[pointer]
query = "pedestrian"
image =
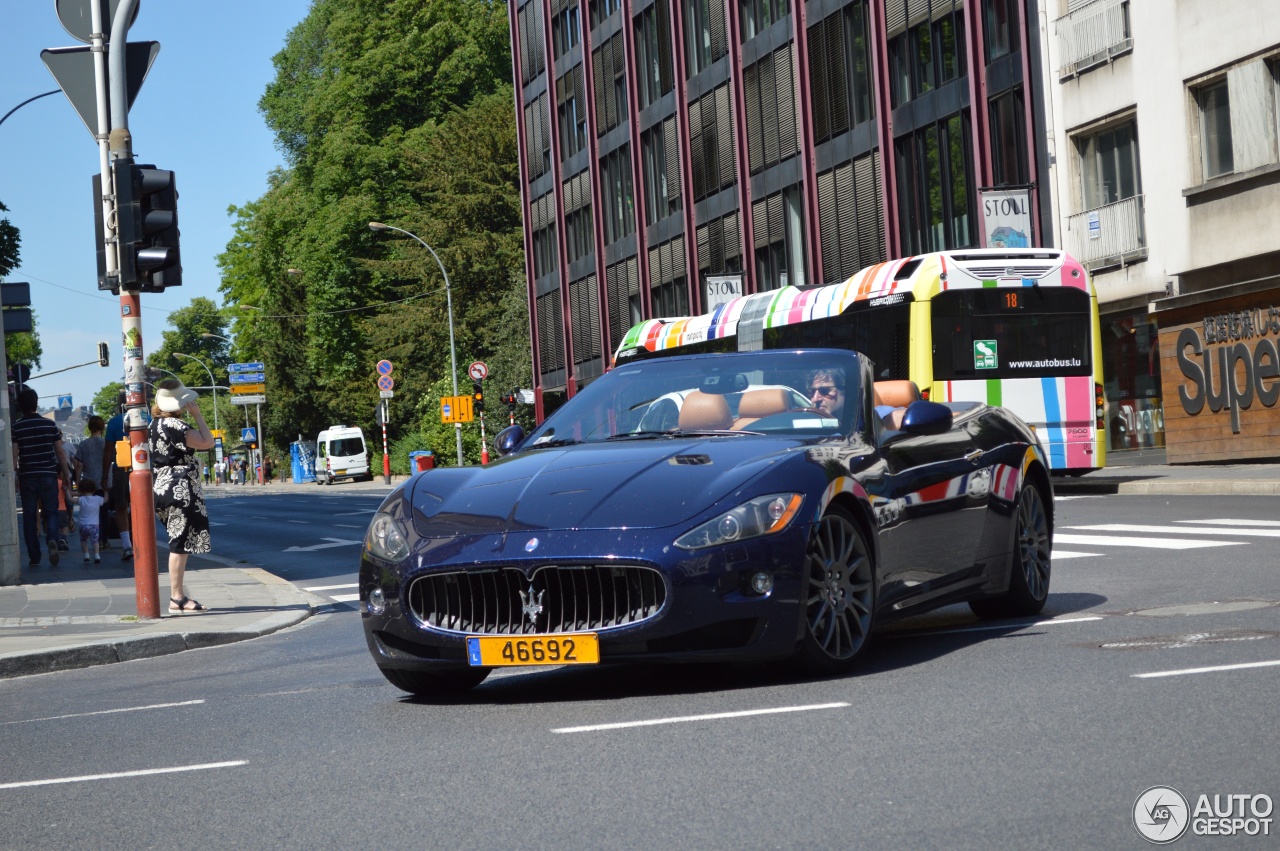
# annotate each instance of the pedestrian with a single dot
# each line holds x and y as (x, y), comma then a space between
(178, 493)
(244, 470)
(91, 500)
(88, 456)
(267, 469)
(115, 480)
(204, 471)
(42, 463)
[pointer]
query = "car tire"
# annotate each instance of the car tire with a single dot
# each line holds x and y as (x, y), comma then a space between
(840, 595)
(436, 683)
(1029, 564)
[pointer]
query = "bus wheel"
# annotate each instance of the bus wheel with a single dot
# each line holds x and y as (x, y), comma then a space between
(1029, 563)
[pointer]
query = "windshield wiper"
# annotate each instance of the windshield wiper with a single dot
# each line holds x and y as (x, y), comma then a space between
(560, 441)
(645, 435)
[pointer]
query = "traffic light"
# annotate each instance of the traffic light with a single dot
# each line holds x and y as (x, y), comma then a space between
(147, 228)
(477, 397)
(104, 355)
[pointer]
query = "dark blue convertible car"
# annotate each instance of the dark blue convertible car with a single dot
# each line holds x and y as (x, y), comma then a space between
(745, 506)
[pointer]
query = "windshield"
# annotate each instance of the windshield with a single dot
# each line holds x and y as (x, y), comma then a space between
(808, 393)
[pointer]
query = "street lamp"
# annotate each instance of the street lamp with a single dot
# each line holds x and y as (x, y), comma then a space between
(212, 383)
(453, 357)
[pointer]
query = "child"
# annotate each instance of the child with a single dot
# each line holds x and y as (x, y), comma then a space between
(91, 500)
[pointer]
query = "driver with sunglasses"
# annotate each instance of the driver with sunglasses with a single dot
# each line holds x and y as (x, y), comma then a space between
(826, 391)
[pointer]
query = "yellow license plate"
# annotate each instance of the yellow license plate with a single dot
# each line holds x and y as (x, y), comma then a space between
(339, 472)
(493, 651)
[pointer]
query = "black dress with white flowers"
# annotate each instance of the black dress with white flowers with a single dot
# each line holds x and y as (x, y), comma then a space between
(179, 497)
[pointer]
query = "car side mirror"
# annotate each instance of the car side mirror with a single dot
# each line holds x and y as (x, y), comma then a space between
(924, 417)
(506, 441)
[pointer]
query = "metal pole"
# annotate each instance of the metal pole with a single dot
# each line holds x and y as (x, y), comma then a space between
(386, 459)
(261, 472)
(448, 294)
(119, 146)
(10, 561)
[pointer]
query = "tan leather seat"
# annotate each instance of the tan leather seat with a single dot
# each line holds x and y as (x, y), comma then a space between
(705, 411)
(899, 394)
(760, 403)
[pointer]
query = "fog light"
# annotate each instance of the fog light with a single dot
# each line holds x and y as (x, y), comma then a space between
(377, 602)
(762, 583)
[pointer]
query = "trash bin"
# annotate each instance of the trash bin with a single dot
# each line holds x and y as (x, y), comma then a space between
(421, 460)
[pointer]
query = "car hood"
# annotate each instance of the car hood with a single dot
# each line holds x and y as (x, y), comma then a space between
(624, 485)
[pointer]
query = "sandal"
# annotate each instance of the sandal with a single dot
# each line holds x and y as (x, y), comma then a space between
(181, 605)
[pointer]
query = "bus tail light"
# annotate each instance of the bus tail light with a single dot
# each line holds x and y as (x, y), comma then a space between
(924, 394)
(1100, 411)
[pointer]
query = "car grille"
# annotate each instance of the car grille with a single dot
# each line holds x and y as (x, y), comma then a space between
(505, 601)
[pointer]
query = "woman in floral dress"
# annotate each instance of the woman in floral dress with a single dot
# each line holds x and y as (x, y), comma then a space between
(176, 484)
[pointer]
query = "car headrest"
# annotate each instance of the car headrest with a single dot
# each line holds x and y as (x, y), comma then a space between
(705, 411)
(763, 403)
(898, 394)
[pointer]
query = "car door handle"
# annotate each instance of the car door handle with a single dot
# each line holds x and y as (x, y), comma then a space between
(972, 457)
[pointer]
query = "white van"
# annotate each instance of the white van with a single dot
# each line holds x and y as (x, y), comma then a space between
(341, 454)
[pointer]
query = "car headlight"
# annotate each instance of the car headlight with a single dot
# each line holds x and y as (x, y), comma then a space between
(763, 515)
(385, 539)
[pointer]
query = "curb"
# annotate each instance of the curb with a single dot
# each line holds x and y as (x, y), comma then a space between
(1160, 487)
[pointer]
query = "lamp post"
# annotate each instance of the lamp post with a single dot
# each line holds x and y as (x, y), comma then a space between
(448, 293)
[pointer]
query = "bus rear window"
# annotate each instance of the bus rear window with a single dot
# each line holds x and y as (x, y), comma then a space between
(880, 333)
(1011, 332)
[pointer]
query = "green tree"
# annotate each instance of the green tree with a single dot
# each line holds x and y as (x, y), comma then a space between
(205, 354)
(10, 243)
(105, 401)
(20, 347)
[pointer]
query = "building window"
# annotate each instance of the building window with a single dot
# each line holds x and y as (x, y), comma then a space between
(849, 220)
(1009, 139)
(609, 67)
(711, 132)
(565, 29)
(661, 167)
(1000, 18)
(1215, 130)
(577, 216)
(769, 90)
(668, 288)
(934, 192)
(544, 251)
(653, 53)
(704, 34)
(622, 284)
(1109, 165)
(529, 24)
(927, 55)
(778, 224)
(720, 246)
(619, 197)
(601, 10)
(759, 15)
(572, 110)
(537, 130)
(840, 72)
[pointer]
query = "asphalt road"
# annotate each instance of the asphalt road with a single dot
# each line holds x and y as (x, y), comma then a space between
(954, 734)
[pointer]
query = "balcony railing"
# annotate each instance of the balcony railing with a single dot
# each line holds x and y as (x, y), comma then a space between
(1092, 35)
(1113, 235)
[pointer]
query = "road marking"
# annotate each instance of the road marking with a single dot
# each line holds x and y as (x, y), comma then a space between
(107, 712)
(1240, 667)
(717, 716)
(1153, 543)
(331, 587)
(361, 511)
(303, 522)
(1061, 554)
(344, 598)
(333, 542)
(347, 526)
(216, 523)
(119, 774)
(992, 626)
(1179, 530)
(1268, 523)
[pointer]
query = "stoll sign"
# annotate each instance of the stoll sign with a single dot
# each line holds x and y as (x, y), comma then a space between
(1231, 361)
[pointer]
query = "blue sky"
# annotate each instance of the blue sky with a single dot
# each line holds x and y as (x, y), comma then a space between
(197, 114)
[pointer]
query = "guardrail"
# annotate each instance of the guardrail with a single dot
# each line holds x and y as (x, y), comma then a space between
(1092, 35)
(1111, 235)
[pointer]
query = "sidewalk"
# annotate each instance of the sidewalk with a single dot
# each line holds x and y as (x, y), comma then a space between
(1180, 480)
(78, 615)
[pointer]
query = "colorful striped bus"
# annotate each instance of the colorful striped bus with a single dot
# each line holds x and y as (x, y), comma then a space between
(1009, 327)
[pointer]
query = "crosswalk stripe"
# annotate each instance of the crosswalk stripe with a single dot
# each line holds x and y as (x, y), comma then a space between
(1058, 555)
(344, 598)
(331, 587)
(1179, 530)
(1152, 543)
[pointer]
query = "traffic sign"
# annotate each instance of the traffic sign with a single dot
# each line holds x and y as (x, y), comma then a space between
(456, 409)
(246, 399)
(478, 371)
(255, 366)
(386, 382)
(64, 403)
(248, 435)
(386, 394)
(72, 68)
(242, 389)
(384, 367)
(246, 377)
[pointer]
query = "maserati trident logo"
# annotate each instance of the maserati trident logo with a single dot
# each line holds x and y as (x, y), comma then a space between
(531, 603)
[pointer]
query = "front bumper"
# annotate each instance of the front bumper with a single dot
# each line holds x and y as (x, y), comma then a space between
(709, 613)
